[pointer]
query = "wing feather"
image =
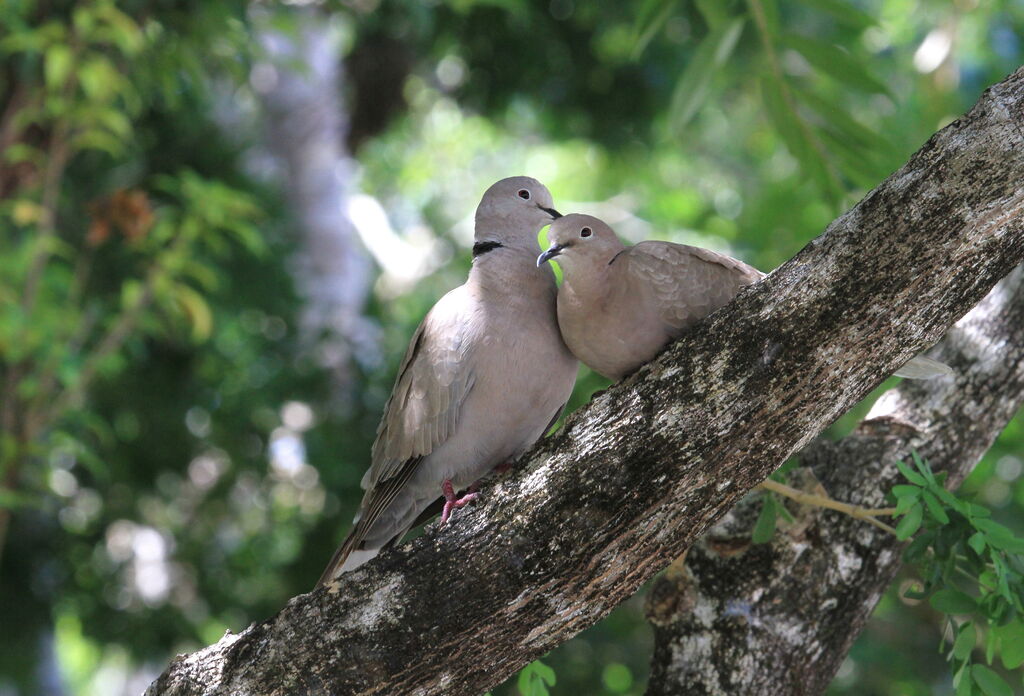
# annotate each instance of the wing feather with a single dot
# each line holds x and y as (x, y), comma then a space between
(423, 410)
(687, 283)
(433, 381)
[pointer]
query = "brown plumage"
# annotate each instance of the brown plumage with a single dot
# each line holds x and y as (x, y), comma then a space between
(619, 306)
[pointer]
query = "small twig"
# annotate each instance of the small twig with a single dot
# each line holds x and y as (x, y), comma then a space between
(972, 578)
(37, 412)
(58, 153)
(55, 162)
(115, 336)
(80, 278)
(9, 129)
(8, 483)
(866, 514)
(110, 343)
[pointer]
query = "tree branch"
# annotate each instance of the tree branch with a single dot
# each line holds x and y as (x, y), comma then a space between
(641, 472)
(727, 625)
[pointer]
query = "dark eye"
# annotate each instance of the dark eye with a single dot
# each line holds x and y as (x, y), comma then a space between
(524, 194)
(586, 232)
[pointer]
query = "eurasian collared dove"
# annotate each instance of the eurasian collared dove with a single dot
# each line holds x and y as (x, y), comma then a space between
(485, 376)
(619, 306)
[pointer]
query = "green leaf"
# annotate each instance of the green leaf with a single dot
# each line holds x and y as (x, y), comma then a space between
(1011, 644)
(99, 140)
(974, 510)
(714, 12)
(100, 79)
(950, 601)
(963, 684)
(784, 513)
(791, 129)
(935, 508)
(194, 306)
(58, 65)
(124, 32)
(764, 528)
(918, 547)
(922, 467)
(535, 679)
(965, 640)
(910, 474)
(977, 542)
(904, 491)
(546, 673)
(844, 12)
(83, 19)
(771, 17)
(835, 62)
(950, 500)
(21, 152)
(650, 18)
(990, 682)
(910, 523)
(999, 536)
(990, 645)
(695, 83)
(13, 500)
(131, 293)
(904, 504)
(782, 118)
(838, 117)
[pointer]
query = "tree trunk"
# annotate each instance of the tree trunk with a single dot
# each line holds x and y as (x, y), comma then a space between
(300, 85)
(779, 618)
(641, 472)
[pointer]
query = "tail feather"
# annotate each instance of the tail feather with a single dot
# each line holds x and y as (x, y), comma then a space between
(923, 368)
(337, 561)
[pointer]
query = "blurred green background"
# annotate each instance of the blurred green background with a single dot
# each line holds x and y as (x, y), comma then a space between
(220, 222)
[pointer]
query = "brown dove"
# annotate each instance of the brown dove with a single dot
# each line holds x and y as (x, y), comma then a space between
(619, 306)
(485, 376)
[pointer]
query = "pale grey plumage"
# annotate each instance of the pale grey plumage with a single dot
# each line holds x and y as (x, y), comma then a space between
(485, 375)
(619, 306)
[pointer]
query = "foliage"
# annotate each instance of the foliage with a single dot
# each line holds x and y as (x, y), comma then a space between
(535, 678)
(111, 256)
(834, 149)
(68, 316)
(973, 571)
(172, 442)
(972, 566)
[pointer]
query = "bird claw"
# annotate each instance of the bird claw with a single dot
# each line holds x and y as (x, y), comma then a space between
(451, 502)
(504, 466)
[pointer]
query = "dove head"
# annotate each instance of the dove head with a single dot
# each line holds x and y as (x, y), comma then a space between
(581, 240)
(513, 211)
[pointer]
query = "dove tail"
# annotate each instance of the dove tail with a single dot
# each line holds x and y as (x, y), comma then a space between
(340, 556)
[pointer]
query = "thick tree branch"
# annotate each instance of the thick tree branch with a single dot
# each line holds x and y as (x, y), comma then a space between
(726, 623)
(640, 473)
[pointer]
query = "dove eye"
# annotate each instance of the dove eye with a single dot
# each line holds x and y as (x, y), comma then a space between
(524, 194)
(586, 232)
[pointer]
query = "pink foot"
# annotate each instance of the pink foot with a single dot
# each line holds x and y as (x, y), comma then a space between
(504, 466)
(451, 502)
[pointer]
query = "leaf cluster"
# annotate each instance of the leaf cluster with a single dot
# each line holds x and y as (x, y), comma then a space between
(972, 569)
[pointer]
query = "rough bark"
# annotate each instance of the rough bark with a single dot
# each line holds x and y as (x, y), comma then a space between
(779, 618)
(641, 472)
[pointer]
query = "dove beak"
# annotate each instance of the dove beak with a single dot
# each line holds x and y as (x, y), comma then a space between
(553, 251)
(551, 211)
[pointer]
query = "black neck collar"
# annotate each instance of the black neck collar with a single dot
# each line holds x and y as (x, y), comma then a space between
(480, 248)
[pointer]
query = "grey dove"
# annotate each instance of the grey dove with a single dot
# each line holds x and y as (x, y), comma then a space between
(619, 305)
(485, 376)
